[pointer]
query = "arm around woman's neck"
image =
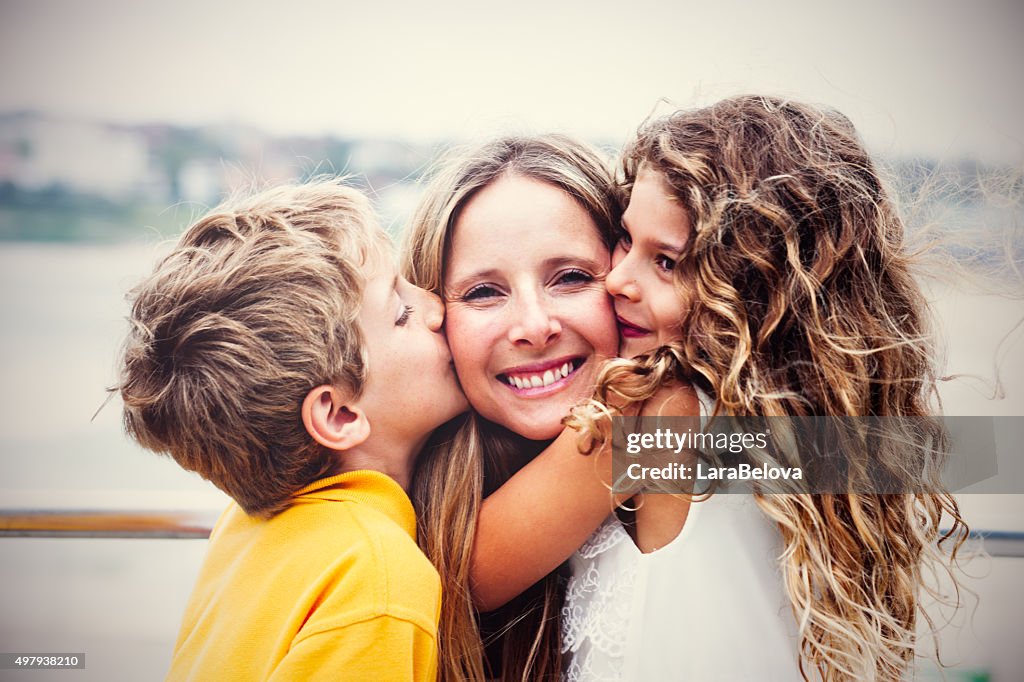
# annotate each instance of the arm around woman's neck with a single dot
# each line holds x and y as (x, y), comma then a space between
(538, 518)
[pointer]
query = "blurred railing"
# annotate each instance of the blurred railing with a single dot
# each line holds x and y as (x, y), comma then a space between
(998, 542)
(102, 523)
(48, 523)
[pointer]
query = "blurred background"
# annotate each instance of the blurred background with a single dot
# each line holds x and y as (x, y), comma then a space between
(122, 121)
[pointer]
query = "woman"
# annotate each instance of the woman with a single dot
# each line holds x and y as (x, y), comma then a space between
(515, 238)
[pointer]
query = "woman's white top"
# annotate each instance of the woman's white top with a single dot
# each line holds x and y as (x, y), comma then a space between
(708, 606)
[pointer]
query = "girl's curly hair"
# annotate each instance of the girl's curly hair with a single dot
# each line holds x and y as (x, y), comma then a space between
(804, 304)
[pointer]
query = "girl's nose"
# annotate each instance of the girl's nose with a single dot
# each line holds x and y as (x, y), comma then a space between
(621, 280)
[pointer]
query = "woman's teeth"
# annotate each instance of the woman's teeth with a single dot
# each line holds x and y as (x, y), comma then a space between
(538, 380)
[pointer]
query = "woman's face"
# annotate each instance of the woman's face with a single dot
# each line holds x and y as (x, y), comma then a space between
(656, 228)
(528, 317)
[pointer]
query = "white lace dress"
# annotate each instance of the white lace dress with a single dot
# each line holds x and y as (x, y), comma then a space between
(597, 604)
(708, 606)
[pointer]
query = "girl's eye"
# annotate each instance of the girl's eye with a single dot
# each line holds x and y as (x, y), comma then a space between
(625, 241)
(665, 263)
(481, 292)
(574, 276)
(404, 317)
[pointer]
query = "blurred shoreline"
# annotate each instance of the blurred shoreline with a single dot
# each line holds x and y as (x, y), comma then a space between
(155, 178)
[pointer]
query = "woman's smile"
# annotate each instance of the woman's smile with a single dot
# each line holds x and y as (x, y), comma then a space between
(541, 378)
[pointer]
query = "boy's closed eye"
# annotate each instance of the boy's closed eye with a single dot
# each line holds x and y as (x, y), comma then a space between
(403, 318)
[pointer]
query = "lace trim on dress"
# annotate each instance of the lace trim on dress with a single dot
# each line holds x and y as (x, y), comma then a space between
(609, 534)
(597, 606)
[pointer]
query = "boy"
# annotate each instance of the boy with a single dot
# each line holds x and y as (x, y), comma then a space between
(276, 353)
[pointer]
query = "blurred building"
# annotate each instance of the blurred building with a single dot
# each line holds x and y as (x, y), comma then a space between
(46, 161)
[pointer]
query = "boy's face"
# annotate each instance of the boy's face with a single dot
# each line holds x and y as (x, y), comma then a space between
(411, 387)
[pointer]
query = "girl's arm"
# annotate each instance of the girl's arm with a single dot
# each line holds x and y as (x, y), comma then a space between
(538, 518)
(541, 515)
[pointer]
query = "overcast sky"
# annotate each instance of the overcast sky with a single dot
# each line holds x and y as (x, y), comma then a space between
(940, 77)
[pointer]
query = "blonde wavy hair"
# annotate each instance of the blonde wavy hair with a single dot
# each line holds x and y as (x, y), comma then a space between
(474, 456)
(802, 303)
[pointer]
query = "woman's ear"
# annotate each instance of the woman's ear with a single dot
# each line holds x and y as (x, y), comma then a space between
(333, 422)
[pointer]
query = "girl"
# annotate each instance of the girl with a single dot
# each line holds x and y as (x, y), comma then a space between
(761, 246)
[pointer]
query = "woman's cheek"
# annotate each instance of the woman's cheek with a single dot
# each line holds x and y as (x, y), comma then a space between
(601, 329)
(470, 337)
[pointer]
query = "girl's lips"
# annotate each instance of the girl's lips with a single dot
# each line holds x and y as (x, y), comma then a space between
(630, 330)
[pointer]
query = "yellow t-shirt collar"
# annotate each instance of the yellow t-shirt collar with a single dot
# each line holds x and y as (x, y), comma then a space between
(372, 488)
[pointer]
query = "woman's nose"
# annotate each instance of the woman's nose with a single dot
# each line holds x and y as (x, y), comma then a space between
(621, 280)
(533, 322)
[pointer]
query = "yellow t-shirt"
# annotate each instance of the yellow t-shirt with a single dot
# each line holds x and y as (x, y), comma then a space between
(333, 588)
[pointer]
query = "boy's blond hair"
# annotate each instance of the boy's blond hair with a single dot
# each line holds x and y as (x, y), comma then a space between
(254, 307)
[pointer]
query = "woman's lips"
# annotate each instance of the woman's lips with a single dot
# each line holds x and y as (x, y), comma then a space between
(543, 377)
(630, 330)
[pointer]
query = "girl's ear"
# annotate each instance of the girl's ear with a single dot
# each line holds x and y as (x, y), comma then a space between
(333, 422)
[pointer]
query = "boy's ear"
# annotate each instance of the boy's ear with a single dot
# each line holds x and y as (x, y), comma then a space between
(333, 422)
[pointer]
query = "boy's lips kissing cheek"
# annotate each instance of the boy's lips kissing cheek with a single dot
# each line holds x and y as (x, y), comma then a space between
(541, 378)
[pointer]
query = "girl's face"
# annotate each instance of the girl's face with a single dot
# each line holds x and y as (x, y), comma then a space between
(528, 318)
(656, 227)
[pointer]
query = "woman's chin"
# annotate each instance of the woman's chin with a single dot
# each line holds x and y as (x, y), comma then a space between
(546, 429)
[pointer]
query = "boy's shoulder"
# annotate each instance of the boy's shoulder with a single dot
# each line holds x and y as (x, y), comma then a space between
(337, 571)
(348, 543)
(369, 525)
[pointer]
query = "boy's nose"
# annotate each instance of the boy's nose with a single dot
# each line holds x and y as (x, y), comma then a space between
(433, 311)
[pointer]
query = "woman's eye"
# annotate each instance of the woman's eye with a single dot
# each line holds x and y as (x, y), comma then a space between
(574, 276)
(404, 317)
(665, 263)
(481, 292)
